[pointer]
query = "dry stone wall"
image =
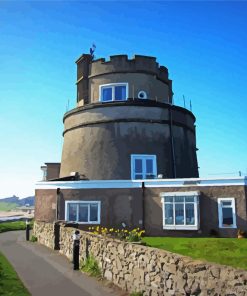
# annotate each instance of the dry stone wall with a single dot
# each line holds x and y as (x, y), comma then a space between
(153, 271)
(45, 233)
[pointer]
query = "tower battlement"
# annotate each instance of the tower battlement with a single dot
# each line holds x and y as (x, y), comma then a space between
(121, 64)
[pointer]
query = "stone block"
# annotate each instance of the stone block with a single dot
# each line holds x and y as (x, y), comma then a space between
(108, 275)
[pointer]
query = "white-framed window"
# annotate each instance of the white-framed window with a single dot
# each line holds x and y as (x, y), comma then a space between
(227, 212)
(180, 210)
(113, 92)
(143, 166)
(84, 212)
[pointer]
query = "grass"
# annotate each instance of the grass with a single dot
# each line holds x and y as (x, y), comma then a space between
(227, 251)
(10, 226)
(136, 294)
(10, 284)
(91, 267)
(7, 206)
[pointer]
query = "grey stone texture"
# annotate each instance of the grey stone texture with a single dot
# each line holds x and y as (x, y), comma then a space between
(153, 271)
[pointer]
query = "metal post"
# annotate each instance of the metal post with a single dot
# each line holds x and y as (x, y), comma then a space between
(27, 230)
(76, 249)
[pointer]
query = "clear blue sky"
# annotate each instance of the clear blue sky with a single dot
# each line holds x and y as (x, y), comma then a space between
(203, 44)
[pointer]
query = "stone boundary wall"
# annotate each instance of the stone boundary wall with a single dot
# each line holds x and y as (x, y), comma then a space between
(156, 272)
(45, 233)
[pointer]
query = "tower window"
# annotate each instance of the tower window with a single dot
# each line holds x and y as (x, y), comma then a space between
(143, 166)
(113, 92)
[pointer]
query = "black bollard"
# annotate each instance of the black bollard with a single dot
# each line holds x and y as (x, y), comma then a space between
(27, 230)
(76, 249)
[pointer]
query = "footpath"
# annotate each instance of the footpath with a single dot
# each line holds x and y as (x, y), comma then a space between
(45, 272)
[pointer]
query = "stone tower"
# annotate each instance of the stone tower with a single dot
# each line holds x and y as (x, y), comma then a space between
(125, 125)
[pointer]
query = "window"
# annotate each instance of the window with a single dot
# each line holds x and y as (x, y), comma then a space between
(113, 92)
(226, 212)
(143, 166)
(142, 95)
(87, 212)
(180, 210)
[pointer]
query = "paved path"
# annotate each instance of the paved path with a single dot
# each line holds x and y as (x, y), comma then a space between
(46, 272)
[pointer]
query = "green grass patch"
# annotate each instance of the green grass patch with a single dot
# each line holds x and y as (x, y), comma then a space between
(10, 226)
(136, 294)
(10, 284)
(227, 251)
(7, 206)
(91, 267)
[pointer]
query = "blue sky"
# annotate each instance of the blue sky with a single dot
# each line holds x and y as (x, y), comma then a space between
(203, 44)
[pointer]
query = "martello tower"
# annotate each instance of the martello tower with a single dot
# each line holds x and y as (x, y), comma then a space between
(125, 125)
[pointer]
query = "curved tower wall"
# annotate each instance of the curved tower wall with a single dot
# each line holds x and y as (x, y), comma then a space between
(100, 137)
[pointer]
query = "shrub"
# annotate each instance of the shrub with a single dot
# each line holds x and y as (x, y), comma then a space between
(241, 233)
(33, 238)
(91, 267)
(11, 226)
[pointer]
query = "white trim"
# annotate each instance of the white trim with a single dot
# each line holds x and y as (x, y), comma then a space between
(82, 202)
(196, 225)
(143, 157)
(233, 207)
(95, 184)
(112, 85)
(155, 183)
(180, 193)
(188, 182)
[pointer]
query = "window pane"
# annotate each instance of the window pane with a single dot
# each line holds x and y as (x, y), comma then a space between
(138, 166)
(190, 214)
(120, 92)
(179, 214)
(138, 176)
(168, 199)
(106, 94)
(227, 214)
(169, 214)
(72, 212)
(189, 198)
(149, 166)
(226, 203)
(83, 213)
(93, 212)
(179, 198)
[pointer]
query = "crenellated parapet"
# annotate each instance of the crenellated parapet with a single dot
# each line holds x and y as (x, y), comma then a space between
(121, 64)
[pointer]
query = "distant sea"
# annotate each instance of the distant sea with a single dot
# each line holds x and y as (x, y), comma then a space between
(13, 218)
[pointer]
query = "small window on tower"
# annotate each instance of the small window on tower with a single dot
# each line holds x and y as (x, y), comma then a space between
(113, 92)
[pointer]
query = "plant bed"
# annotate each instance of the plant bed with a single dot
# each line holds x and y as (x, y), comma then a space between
(129, 235)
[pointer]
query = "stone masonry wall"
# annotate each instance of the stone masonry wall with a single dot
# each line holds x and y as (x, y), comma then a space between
(45, 233)
(156, 272)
